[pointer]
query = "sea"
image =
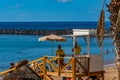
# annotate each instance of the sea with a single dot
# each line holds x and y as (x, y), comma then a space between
(14, 48)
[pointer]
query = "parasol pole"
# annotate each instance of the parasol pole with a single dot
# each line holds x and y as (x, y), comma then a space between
(74, 39)
(52, 47)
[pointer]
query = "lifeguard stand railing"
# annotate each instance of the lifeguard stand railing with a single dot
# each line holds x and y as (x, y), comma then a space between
(74, 67)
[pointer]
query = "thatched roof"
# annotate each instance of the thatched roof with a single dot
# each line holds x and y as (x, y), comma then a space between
(23, 71)
(113, 8)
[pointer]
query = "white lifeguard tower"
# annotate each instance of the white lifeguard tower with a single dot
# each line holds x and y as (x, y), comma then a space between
(96, 61)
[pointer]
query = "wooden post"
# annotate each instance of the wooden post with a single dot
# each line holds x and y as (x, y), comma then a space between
(45, 58)
(102, 75)
(88, 64)
(73, 69)
(59, 66)
(34, 66)
(6, 74)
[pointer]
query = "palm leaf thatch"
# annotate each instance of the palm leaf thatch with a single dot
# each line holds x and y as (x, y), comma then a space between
(100, 29)
(22, 72)
(114, 9)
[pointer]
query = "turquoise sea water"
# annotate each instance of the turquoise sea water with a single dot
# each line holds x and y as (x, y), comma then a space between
(14, 48)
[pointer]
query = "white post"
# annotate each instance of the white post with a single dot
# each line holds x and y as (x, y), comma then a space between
(88, 46)
(74, 39)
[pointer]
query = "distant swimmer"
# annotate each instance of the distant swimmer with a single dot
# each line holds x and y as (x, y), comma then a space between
(107, 51)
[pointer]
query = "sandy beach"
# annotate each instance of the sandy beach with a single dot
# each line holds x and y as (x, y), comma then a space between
(111, 72)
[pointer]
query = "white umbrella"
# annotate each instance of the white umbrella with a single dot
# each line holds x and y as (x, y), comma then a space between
(52, 37)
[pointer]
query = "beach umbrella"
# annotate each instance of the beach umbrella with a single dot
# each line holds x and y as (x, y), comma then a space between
(52, 38)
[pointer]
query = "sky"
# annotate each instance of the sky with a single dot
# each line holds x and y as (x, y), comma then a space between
(51, 10)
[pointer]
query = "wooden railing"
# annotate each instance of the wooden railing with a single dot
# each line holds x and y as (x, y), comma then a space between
(46, 67)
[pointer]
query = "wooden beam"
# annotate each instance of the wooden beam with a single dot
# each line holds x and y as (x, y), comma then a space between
(59, 66)
(82, 66)
(33, 71)
(73, 69)
(36, 60)
(52, 73)
(51, 64)
(88, 64)
(69, 62)
(48, 78)
(7, 71)
(41, 68)
(45, 58)
(102, 75)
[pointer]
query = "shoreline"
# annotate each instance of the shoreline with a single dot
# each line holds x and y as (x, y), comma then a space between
(109, 62)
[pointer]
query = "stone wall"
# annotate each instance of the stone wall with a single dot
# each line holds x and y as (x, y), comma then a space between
(36, 32)
(44, 32)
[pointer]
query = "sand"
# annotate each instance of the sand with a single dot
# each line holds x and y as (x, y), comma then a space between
(111, 72)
